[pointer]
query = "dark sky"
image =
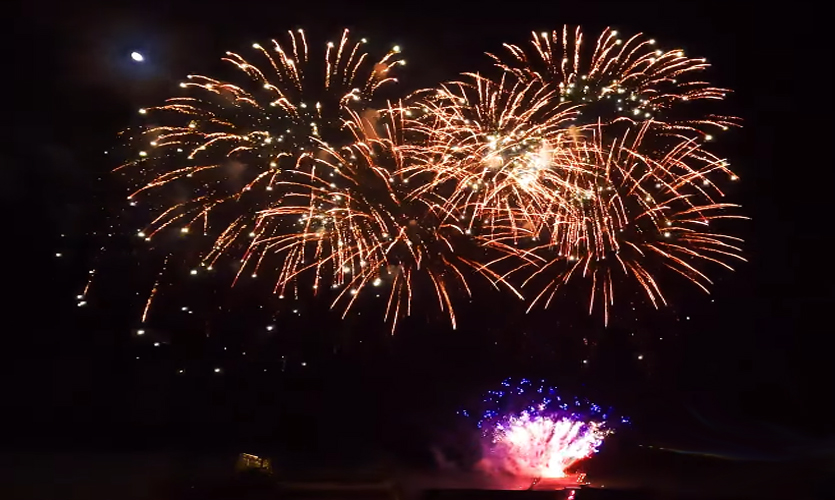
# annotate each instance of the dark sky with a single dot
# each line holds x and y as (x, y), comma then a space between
(760, 351)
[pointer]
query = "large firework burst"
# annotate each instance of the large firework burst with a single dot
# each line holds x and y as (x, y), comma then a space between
(570, 164)
(586, 169)
(227, 144)
(495, 150)
(215, 160)
(356, 225)
(298, 173)
(632, 213)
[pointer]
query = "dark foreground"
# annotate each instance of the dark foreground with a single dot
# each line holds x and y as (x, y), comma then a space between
(168, 476)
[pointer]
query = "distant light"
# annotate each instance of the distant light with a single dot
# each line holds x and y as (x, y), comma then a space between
(156, 344)
(136, 56)
(304, 363)
(640, 356)
(217, 370)
(140, 332)
(58, 254)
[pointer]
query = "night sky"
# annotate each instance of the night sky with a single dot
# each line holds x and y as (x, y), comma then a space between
(754, 350)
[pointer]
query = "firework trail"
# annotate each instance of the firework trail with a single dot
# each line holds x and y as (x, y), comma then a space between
(531, 431)
(585, 169)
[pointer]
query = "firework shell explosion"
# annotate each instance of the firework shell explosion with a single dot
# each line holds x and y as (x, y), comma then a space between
(560, 168)
(531, 431)
(267, 164)
(586, 168)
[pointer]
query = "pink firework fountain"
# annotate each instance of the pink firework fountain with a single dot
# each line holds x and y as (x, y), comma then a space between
(546, 446)
(532, 432)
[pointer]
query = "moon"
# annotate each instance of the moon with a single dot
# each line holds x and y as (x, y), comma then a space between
(136, 56)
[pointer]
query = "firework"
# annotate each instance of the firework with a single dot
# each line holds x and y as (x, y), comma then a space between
(356, 226)
(632, 214)
(493, 148)
(227, 144)
(531, 431)
(585, 169)
(617, 80)
(571, 165)
(301, 175)
(216, 160)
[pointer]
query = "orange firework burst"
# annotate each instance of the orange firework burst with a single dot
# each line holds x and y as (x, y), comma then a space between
(495, 151)
(585, 169)
(213, 161)
(571, 164)
(226, 144)
(356, 226)
(631, 211)
(618, 80)
(299, 178)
